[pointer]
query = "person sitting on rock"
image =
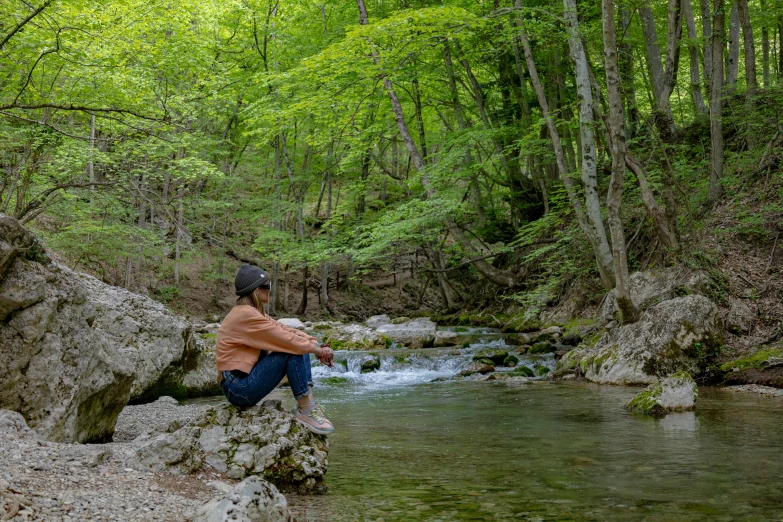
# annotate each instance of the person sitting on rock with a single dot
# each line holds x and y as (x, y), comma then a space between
(255, 352)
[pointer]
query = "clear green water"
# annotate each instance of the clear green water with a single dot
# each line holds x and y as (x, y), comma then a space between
(548, 451)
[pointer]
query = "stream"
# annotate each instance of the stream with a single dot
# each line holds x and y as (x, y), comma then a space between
(412, 443)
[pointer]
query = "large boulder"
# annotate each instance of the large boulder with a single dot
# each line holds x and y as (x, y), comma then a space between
(356, 337)
(73, 350)
(681, 334)
(165, 345)
(252, 500)
(653, 286)
(417, 333)
(263, 440)
(68, 379)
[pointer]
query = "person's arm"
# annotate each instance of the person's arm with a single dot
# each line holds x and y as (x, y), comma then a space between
(264, 333)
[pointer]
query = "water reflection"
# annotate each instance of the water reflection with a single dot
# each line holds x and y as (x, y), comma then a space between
(483, 451)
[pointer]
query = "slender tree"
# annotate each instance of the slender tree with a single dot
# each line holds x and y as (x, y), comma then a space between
(628, 312)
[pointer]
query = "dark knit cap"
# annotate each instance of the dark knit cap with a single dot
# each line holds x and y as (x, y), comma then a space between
(249, 278)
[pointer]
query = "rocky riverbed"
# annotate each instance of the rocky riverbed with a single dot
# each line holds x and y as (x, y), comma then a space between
(49, 481)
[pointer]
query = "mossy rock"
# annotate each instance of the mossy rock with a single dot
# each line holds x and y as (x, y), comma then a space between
(674, 393)
(757, 360)
(484, 360)
(461, 329)
(335, 380)
(322, 326)
(647, 402)
(544, 347)
(522, 371)
(542, 338)
(541, 370)
(208, 336)
(510, 361)
(371, 364)
(496, 356)
(400, 320)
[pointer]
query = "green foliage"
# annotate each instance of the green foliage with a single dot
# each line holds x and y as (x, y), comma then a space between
(166, 294)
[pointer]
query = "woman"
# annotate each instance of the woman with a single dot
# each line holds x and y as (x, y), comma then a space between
(254, 352)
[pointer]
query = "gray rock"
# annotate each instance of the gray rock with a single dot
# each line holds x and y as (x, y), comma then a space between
(74, 351)
(165, 343)
(293, 322)
(355, 337)
(202, 379)
(740, 317)
(24, 285)
(677, 392)
(252, 500)
(13, 425)
(263, 440)
(681, 334)
(477, 367)
(378, 320)
(15, 240)
(514, 382)
(552, 330)
(416, 333)
(657, 285)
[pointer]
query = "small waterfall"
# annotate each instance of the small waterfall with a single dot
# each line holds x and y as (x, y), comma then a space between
(403, 367)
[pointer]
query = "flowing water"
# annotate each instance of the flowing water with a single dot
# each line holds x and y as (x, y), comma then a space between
(407, 448)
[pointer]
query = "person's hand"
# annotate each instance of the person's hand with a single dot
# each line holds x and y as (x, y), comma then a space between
(327, 356)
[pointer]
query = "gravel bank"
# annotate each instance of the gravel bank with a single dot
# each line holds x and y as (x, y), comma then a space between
(75, 482)
(766, 391)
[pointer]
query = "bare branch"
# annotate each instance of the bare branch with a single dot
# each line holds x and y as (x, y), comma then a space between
(24, 22)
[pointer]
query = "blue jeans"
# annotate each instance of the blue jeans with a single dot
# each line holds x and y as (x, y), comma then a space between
(246, 390)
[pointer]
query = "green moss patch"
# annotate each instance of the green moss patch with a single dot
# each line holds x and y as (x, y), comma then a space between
(756, 360)
(335, 380)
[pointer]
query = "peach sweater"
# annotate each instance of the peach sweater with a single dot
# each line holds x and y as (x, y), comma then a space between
(246, 333)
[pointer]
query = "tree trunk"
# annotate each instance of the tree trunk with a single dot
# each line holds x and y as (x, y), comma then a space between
(706, 30)
(732, 59)
(177, 248)
(586, 125)
(628, 312)
(659, 78)
(749, 48)
(627, 75)
(716, 101)
(603, 253)
(693, 51)
(303, 305)
(324, 295)
(274, 302)
(90, 166)
(765, 47)
(459, 113)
